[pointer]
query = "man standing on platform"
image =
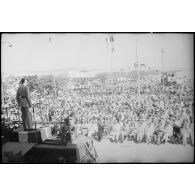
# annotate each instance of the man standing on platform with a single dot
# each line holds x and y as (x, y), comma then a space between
(24, 102)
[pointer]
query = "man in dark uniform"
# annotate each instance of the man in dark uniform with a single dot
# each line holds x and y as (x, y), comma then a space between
(100, 130)
(24, 101)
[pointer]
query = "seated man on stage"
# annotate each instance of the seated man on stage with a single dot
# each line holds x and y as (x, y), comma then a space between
(68, 128)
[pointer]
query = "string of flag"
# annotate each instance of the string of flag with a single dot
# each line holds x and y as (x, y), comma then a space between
(111, 41)
(50, 40)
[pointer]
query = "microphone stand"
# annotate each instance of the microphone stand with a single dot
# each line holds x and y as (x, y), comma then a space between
(34, 118)
(35, 124)
(19, 114)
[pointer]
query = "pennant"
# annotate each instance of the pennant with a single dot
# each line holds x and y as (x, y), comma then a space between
(111, 38)
(135, 65)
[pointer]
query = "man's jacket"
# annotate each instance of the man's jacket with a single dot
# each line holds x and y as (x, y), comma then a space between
(23, 97)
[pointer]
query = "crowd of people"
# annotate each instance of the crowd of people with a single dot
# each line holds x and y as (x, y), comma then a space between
(113, 108)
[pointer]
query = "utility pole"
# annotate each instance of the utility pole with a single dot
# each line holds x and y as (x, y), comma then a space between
(107, 57)
(51, 58)
(111, 51)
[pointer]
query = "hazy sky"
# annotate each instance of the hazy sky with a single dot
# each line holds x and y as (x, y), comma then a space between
(34, 52)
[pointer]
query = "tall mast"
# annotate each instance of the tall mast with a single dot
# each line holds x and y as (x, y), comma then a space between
(162, 64)
(51, 57)
(138, 72)
(107, 57)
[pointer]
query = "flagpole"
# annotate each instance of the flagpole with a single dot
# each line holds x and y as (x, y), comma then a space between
(111, 58)
(107, 57)
(51, 54)
(111, 77)
(110, 50)
(138, 72)
(54, 80)
(162, 51)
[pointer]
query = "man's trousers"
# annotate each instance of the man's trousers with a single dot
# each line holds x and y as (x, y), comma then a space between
(26, 118)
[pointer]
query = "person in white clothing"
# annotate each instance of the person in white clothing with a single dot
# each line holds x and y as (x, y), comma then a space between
(140, 131)
(168, 131)
(149, 132)
(90, 128)
(116, 131)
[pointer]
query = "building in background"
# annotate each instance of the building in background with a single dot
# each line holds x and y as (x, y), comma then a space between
(81, 74)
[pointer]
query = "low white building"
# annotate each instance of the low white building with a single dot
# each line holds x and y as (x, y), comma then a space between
(84, 74)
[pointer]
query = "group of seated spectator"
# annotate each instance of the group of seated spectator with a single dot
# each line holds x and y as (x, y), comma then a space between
(116, 110)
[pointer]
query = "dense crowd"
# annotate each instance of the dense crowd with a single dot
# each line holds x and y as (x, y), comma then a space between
(115, 109)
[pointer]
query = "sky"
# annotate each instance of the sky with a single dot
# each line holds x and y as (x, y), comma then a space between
(74, 52)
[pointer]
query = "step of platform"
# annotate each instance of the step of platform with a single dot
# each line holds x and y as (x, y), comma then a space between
(34, 136)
